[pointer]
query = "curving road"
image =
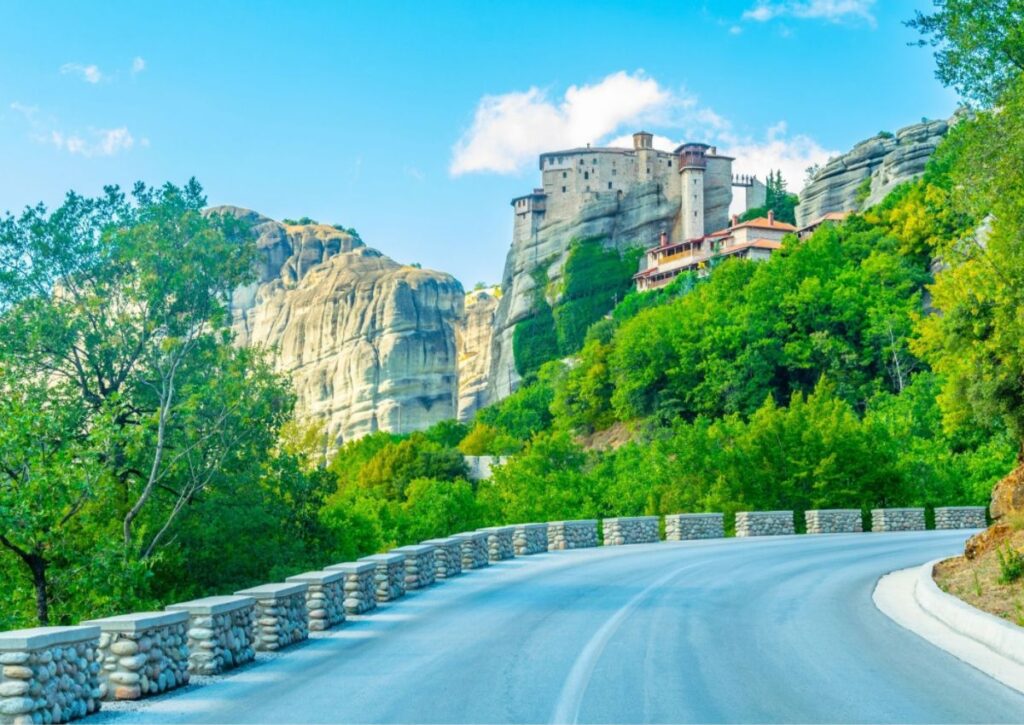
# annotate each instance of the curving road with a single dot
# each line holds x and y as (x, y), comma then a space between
(733, 630)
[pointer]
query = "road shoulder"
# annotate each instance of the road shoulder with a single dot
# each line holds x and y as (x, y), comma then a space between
(911, 599)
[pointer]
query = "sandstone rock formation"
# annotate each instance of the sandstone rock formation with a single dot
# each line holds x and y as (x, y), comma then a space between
(474, 334)
(369, 343)
(887, 160)
(636, 217)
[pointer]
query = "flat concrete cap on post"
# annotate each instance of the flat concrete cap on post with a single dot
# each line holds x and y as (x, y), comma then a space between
(414, 549)
(212, 605)
(317, 577)
(696, 516)
(139, 621)
(353, 567)
(441, 542)
(384, 558)
(274, 591)
(833, 511)
(631, 518)
(958, 508)
(895, 510)
(495, 529)
(763, 513)
(39, 637)
(575, 522)
(530, 526)
(475, 535)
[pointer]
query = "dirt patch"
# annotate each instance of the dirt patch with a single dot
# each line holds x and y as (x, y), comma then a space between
(616, 435)
(976, 581)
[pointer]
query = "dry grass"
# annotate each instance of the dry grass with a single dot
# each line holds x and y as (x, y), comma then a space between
(976, 581)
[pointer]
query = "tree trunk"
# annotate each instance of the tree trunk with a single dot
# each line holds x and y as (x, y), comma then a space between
(38, 566)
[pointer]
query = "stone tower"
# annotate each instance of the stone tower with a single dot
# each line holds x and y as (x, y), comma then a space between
(692, 164)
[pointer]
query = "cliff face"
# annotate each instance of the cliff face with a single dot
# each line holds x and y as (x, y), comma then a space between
(886, 161)
(636, 217)
(370, 344)
(474, 335)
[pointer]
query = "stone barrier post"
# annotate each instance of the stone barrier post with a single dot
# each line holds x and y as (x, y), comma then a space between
(630, 530)
(389, 578)
(833, 521)
(530, 539)
(764, 523)
(360, 585)
(499, 542)
(686, 527)
(220, 633)
(960, 517)
(143, 654)
(325, 598)
(49, 674)
(474, 549)
(572, 534)
(281, 618)
(447, 557)
(420, 565)
(897, 519)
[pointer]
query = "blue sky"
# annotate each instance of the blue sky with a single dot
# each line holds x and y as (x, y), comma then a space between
(417, 122)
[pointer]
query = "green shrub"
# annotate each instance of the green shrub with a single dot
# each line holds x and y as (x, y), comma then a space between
(1011, 564)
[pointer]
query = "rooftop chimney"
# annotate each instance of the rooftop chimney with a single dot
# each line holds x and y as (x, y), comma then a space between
(771, 216)
(735, 220)
(663, 239)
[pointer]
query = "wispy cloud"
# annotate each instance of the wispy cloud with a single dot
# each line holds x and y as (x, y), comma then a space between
(89, 73)
(98, 142)
(510, 129)
(94, 142)
(138, 65)
(833, 11)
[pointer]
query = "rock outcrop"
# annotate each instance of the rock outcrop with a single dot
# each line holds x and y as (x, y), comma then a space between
(886, 160)
(636, 217)
(369, 343)
(474, 335)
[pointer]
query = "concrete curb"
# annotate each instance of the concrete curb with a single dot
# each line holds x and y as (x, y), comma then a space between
(992, 645)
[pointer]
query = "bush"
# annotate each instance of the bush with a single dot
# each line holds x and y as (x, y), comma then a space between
(1011, 564)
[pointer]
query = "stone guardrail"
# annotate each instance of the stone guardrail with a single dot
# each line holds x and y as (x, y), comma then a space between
(530, 539)
(474, 549)
(325, 598)
(833, 521)
(764, 523)
(281, 617)
(220, 633)
(630, 530)
(137, 655)
(447, 557)
(572, 534)
(686, 527)
(389, 578)
(142, 654)
(49, 674)
(960, 517)
(420, 568)
(500, 545)
(360, 585)
(897, 519)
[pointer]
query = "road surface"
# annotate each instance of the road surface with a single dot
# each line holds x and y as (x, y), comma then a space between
(778, 629)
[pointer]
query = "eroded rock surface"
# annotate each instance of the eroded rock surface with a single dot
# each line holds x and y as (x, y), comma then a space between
(474, 335)
(369, 343)
(887, 160)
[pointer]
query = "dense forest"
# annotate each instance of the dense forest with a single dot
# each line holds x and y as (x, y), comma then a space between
(145, 459)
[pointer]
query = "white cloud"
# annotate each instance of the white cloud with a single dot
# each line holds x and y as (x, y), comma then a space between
(138, 65)
(29, 112)
(509, 130)
(100, 142)
(735, 30)
(88, 73)
(834, 11)
(778, 151)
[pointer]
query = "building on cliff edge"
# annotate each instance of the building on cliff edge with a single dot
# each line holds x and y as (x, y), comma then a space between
(754, 239)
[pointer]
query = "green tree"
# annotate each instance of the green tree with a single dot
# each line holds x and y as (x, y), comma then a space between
(979, 44)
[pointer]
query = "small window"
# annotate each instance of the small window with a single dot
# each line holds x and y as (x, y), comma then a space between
(614, 171)
(670, 163)
(588, 187)
(563, 189)
(594, 161)
(564, 174)
(609, 184)
(586, 174)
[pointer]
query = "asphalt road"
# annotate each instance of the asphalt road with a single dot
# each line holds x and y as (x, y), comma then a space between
(778, 629)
